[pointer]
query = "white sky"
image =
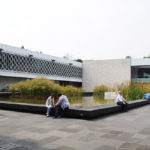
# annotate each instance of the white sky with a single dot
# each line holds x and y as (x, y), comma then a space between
(86, 29)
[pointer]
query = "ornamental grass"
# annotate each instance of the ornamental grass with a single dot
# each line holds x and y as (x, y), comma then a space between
(100, 90)
(40, 88)
(130, 91)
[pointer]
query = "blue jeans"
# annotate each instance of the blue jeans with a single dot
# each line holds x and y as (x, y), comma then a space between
(59, 111)
(48, 111)
(123, 106)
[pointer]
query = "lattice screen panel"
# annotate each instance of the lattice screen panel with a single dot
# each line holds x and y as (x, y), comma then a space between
(37, 66)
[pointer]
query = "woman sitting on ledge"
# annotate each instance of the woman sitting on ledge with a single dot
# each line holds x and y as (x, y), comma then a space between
(49, 104)
(121, 101)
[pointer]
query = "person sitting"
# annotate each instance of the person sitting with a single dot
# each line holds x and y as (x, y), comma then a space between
(147, 96)
(61, 106)
(49, 104)
(121, 101)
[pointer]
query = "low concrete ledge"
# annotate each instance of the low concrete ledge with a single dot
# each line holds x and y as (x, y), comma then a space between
(84, 113)
(23, 107)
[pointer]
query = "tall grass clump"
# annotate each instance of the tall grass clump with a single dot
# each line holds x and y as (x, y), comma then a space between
(40, 88)
(72, 91)
(100, 90)
(146, 86)
(132, 91)
(37, 88)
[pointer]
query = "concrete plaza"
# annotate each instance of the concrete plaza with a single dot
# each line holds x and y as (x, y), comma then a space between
(123, 131)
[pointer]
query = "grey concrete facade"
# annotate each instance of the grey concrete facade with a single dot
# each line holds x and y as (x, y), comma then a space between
(105, 72)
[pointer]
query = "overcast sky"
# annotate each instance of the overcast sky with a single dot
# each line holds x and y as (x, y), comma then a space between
(86, 29)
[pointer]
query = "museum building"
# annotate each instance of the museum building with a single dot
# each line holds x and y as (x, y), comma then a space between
(17, 64)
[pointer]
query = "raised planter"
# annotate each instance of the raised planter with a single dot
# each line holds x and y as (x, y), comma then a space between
(84, 113)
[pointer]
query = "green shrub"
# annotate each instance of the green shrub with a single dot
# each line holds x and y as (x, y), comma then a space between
(56, 89)
(72, 91)
(42, 88)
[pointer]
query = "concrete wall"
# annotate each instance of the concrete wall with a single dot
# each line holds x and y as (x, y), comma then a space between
(107, 72)
(8, 80)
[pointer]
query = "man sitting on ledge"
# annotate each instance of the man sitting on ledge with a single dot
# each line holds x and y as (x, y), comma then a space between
(61, 106)
(121, 101)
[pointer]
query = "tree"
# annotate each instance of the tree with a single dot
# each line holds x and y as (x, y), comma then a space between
(22, 47)
(79, 60)
(128, 57)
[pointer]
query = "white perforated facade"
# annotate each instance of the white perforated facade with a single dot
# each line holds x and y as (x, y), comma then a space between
(22, 63)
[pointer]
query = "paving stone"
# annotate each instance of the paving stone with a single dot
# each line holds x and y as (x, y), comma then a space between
(145, 142)
(127, 145)
(116, 132)
(121, 136)
(64, 148)
(125, 136)
(27, 143)
(36, 132)
(145, 131)
(75, 126)
(2, 143)
(105, 147)
(70, 130)
(140, 136)
(59, 133)
(1, 148)
(50, 147)
(21, 148)
(89, 137)
(142, 147)
(48, 140)
(69, 143)
(108, 136)
(134, 140)
(10, 146)
(39, 130)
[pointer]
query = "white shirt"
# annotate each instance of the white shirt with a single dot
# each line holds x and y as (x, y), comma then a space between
(63, 101)
(120, 98)
(49, 102)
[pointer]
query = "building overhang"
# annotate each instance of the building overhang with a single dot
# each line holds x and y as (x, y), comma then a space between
(140, 62)
(28, 75)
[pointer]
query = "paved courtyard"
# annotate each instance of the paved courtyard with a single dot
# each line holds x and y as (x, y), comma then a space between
(123, 131)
